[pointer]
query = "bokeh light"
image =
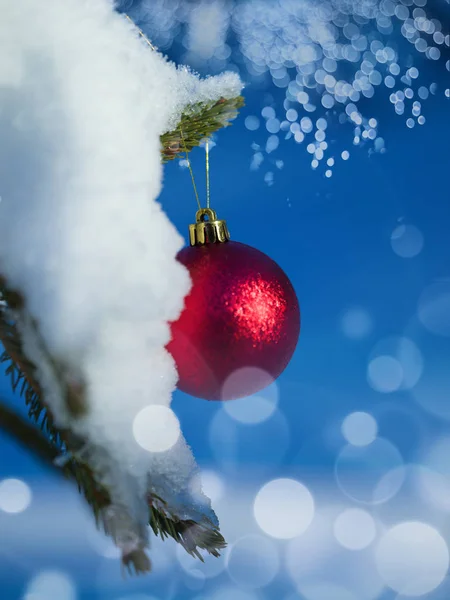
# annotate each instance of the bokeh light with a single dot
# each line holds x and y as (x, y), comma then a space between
(290, 501)
(15, 495)
(156, 428)
(256, 408)
(328, 58)
(355, 529)
(385, 374)
(359, 428)
(407, 241)
(361, 471)
(412, 558)
(51, 584)
(213, 485)
(319, 564)
(239, 378)
(395, 363)
(252, 123)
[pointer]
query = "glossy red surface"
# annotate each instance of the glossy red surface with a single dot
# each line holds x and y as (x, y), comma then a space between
(240, 325)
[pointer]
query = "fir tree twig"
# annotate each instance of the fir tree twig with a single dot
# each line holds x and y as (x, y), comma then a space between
(198, 122)
(28, 436)
(191, 535)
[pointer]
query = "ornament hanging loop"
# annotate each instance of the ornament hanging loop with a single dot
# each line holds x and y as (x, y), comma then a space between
(208, 229)
(205, 214)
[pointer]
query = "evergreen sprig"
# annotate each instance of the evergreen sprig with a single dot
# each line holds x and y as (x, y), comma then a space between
(197, 123)
(193, 536)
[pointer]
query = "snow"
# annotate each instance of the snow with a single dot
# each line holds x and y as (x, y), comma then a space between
(83, 101)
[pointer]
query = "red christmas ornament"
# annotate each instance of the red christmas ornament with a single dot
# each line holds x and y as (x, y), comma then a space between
(241, 320)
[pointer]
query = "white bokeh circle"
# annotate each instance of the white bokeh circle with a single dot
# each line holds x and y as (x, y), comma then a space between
(290, 501)
(442, 592)
(395, 363)
(412, 558)
(206, 484)
(256, 408)
(355, 529)
(317, 563)
(411, 359)
(361, 471)
(252, 410)
(51, 584)
(156, 428)
(359, 428)
(15, 495)
(252, 123)
(213, 485)
(238, 380)
(385, 374)
(407, 241)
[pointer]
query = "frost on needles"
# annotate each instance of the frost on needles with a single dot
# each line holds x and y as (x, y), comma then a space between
(87, 256)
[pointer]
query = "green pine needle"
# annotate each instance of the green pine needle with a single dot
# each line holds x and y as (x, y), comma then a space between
(197, 123)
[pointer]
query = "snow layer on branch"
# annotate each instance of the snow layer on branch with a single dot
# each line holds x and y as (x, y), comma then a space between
(189, 86)
(83, 101)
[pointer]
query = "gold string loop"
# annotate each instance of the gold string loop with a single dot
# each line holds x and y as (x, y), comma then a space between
(190, 168)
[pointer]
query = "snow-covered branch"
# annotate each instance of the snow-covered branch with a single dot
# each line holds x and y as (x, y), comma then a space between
(83, 242)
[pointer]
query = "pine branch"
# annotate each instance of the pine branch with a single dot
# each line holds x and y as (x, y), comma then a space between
(200, 121)
(27, 435)
(191, 535)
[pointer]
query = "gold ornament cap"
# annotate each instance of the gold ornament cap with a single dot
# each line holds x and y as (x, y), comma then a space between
(208, 229)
